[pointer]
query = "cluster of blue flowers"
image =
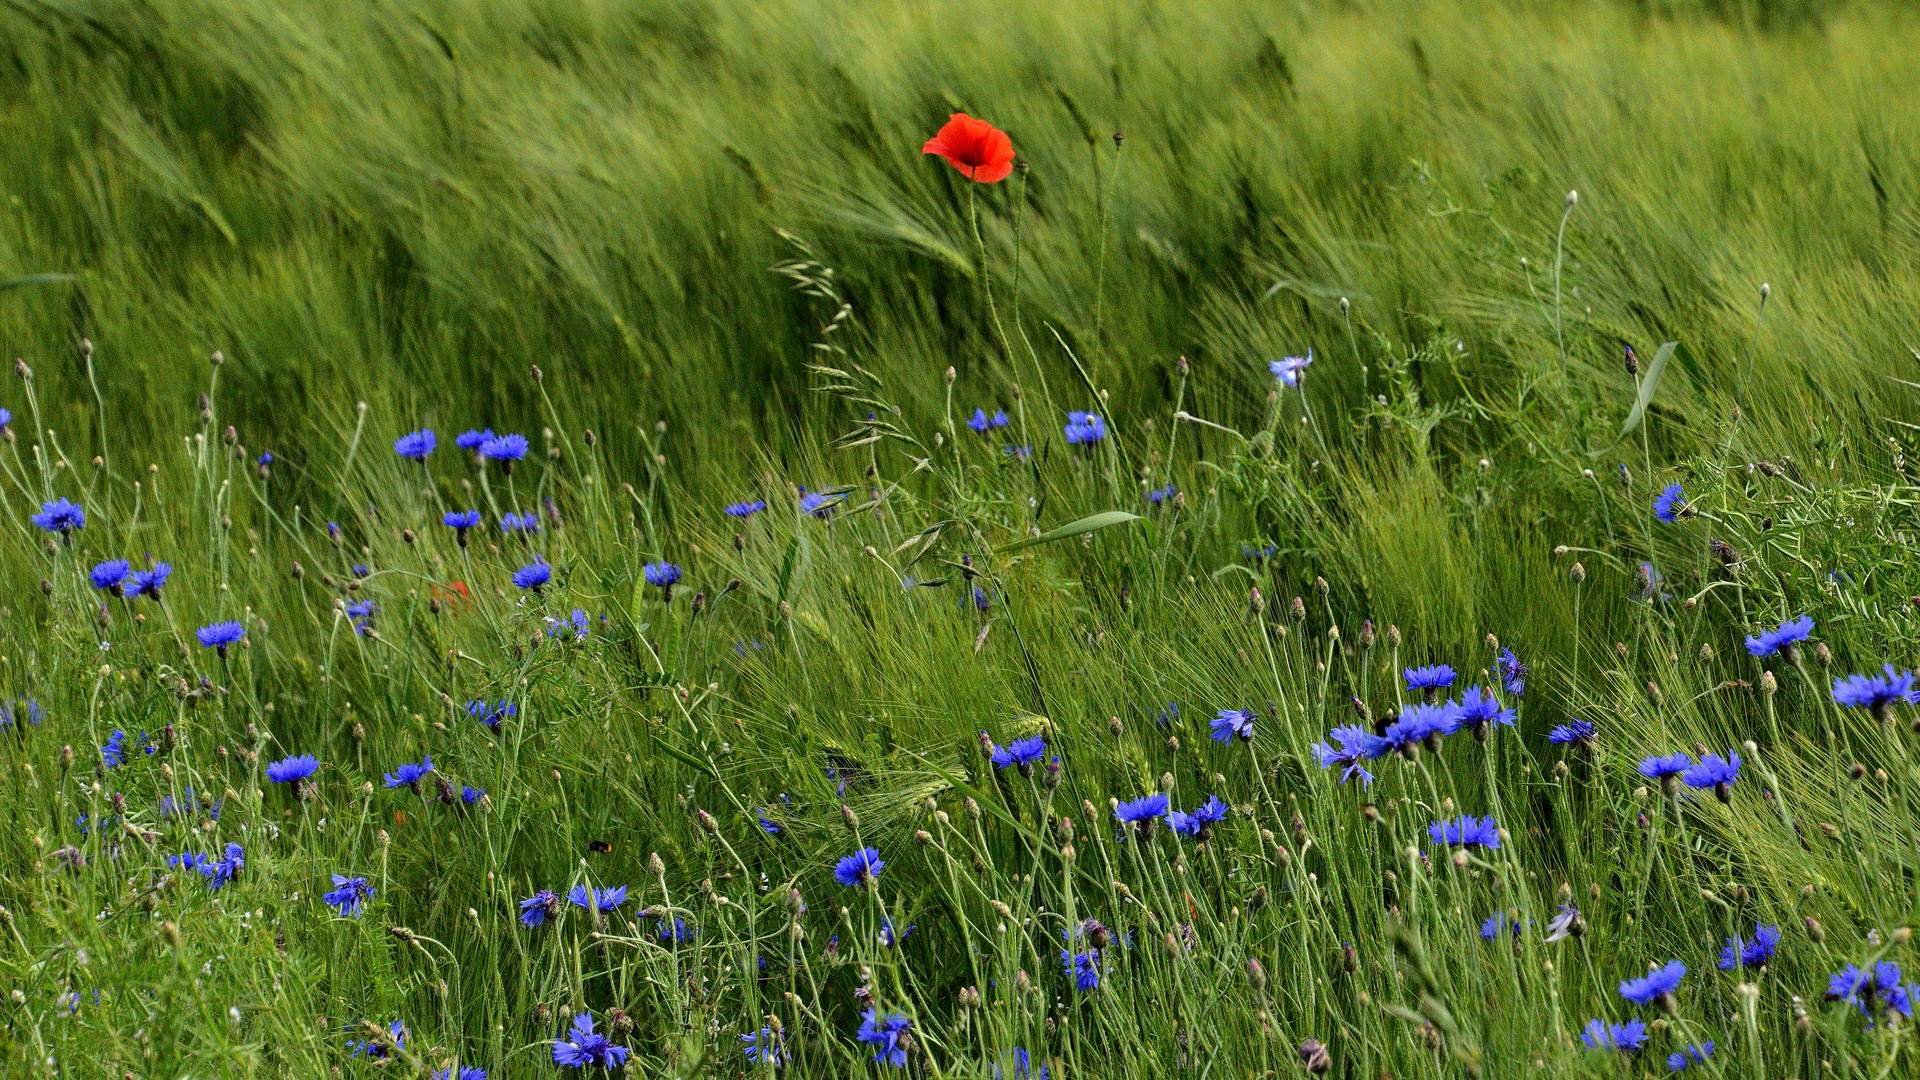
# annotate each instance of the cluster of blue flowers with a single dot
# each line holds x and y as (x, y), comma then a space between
(1423, 724)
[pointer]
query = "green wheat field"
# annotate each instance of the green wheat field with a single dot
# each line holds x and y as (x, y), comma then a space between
(1336, 538)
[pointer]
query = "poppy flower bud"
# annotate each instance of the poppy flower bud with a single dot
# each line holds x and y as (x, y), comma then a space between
(1577, 574)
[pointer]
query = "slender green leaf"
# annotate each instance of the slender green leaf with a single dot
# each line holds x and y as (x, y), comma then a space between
(1106, 519)
(1647, 386)
(34, 279)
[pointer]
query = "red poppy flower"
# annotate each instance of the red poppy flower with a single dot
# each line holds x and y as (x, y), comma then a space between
(975, 147)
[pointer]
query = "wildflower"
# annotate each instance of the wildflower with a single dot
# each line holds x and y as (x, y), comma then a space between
(1625, 1038)
(511, 523)
(887, 938)
(1289, 369)
(1513, 673)
(1567, 922)
(467, 1073)
(410, 774)
(1650, 582)
(860, 868)
(982, 152)
(60, 516)
(34, 713)
(1429, 680)
(293, 770)
(1466, 831)
(1142, 811)
(1657, 986)
(1671, 503)
(362, 613)
(771, 827)
(378, 1048)
(149, 582)
(1419, 724)
(360, 570)
(1018, 453)
(745, 510)
(1575, 732)
(1167, 716)
(221, 636)
(606, 899)
(1783, 639)
(662, 575)
(535, 910)
(1714, 772)
(820, 505)
(473, 440)
(1022, 753)
(588, 1048)
(471, 795)
(983, 423)
(1199, 822)
(460, 521)
(1876, 694)
(350, 894)
(1873, 993)
(219, 872)
(1231, 722)
(1479, 710)
(504, 448)
(1696, 1054)
(889, 1036)
(673, 930)
(110, 575)
(114, 753)
(573, 629)
(532, 576)
(765, 1047)
(1159, 496)
(1084, 967)
(1660, 768)
(1497, 922)
(1356, 745)
(1753, 953)
(1085, 427)
(416, 445)
(490, 717)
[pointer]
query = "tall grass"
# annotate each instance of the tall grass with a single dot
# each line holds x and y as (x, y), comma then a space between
(692, 252)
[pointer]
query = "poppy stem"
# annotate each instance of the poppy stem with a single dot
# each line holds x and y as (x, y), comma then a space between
(986, 273)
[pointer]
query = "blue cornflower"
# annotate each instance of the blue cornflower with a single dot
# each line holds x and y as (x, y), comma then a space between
(1231, 722)
(606, 899)
(114, 753)
(745, 509)
(1753, 953)
(410, 774)
(771, 827)
(490, 716)
(1199, 822)
(1466, 831)
(1429, 680)
(1084, 967)
(474, 1072)
(1479, 710)
(34, 713)
(1658, 983)
(533, 576)
(886, 1035)
(1085, 427)
(1167, 716)
(1873, 993)
(819, 505)
(1671, 503)
(1419, 724)
(764, 1047)
(983, 423)
(1513, 673)
(511, 522)
(417, 445)
(1160, 495)
(1783, 639)
(149, 582)
(60, 516)
(1357, 744)
(6, 418)
(471, 795)
(221, 636)
(473, 440)
(1497, 922)
(1023, 753)
(378, 1048)
(362, 612)
(588, 1048)
(573, 629)
(887, 937)
(504, 448)
(860, 868)
(460, 521)
(292, 770)
(535, 910)
(1625, 1038)
(349, 895)
(1141, 811)
(1018, 453)
(110, 575)
(1714, 772)
(1696, 1054)
(1289, 369)
(662, 575)
(265, 461)
(1575, 731)
(360, 570)
(219, 872)
(1661, 768)
(676, 930)
(1876, 694)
